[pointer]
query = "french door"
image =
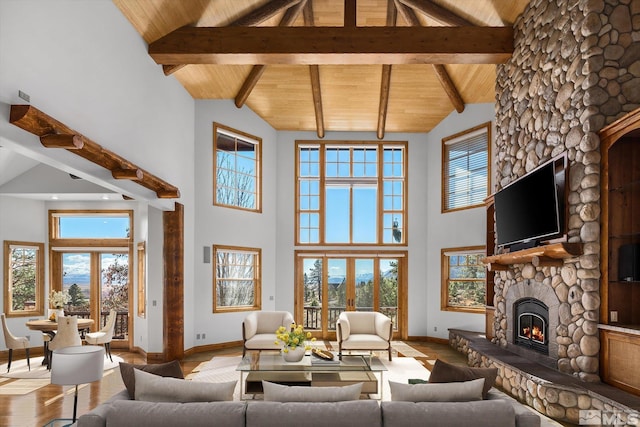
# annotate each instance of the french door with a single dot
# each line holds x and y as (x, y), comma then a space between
(97, 281)
(328, 284)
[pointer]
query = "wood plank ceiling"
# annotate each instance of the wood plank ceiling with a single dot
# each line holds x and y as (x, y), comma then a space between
(299, 78)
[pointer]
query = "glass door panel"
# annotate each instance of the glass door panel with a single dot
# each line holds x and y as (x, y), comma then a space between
(114, 288)
(336, 290)
(364, 285)
(312, 293)
(388, 289)
(76, 280)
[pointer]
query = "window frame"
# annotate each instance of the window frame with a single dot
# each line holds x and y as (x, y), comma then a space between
(141, 253)
(458, 138)
(445, 254)
(39, 277)
(248, 138)
(257, 279)
(325, 182)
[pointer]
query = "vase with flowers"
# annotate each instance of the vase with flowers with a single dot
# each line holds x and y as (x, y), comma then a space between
(294, 342)
(57, 300)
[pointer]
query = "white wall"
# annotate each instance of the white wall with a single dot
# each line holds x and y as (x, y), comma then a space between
(234, 227)
(455, 229)
(84, 64)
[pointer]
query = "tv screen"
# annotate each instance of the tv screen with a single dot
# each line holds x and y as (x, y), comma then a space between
(528, 209)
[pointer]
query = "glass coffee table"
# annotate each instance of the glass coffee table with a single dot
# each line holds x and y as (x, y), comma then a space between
(311, 371)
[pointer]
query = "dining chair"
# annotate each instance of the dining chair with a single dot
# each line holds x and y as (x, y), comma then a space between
(67, 336)
(14, 343)
(104, 335)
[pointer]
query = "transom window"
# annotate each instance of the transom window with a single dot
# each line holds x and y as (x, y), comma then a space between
(24, 278)
(465, 168)
(83, 225)
(237, 173)
(351, 192)
(463, 279)
(237, 284)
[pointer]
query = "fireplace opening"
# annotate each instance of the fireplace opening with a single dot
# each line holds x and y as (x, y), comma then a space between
(531, 324)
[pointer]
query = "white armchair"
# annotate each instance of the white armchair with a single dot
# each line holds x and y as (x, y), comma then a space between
(259, 329)
(364, 330)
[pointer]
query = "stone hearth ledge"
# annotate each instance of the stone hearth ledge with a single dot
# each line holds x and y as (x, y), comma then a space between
(555, 394)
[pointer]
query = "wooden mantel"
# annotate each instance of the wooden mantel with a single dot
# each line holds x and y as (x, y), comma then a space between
(541, 256)
(54, 134)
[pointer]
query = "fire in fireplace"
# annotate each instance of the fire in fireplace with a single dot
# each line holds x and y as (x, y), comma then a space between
(531, 324)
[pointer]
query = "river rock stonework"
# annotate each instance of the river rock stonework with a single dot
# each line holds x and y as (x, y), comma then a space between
(575, 69)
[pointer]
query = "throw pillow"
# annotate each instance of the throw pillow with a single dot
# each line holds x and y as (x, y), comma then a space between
(444, 372)
(282, 393)
(152, 388)
(168, 369)
(446, 392)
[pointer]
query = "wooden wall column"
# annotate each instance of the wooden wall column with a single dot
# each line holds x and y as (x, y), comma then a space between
(173, 293)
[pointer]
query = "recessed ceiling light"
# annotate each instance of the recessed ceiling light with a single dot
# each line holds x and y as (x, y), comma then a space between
(54, 197)
(105, 197)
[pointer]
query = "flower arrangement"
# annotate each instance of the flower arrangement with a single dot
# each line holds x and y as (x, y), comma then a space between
(293, 338)
(57, 299)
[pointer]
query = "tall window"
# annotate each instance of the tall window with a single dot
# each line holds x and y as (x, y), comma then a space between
(237, 172)
(24, 279)
(465, 168)
(351, 193)
(237, 284)
(463, 279)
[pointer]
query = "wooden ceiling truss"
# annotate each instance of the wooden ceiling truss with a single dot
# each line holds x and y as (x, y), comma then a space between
(458, 42)
(54, 134)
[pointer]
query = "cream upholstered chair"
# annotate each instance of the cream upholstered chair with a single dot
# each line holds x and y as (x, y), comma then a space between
(259, 329)
(14, 343)
(66, 336)
(364, 330)
(104, 335)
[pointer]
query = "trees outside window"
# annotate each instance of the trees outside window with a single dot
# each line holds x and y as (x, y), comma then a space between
(463, 279)
(237, 284)
(24, 279)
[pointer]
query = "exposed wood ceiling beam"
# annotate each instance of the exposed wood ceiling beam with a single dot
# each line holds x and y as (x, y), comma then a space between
(443, 76)
(256, 72)
(314, 73)
(135, 174)
(251, 19)
(385, 81)
(70, 142)
(436, 12)
(40, 124)
(334, 45)
(350, 13)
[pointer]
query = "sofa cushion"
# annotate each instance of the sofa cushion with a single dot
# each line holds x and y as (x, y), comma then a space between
(152, 388)
(168, 369)
(354, 413)
(481, 413)
(125, 413)
(282, 393)
(444, 372)
(447, 392)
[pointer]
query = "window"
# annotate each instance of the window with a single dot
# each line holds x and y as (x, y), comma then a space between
(237, 173)
(237, 279)
(91, 227)
(463, 279)
(465, 168)
(351, 193)
(24, 279)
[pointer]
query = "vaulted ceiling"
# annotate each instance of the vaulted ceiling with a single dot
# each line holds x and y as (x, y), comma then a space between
(345, 74)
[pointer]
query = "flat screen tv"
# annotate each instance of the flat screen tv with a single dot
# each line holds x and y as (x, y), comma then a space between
(531, 208)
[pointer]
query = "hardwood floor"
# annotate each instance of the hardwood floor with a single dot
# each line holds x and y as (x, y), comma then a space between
(52, 401)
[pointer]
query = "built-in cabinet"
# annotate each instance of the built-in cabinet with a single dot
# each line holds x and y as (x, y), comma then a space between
(620, 216)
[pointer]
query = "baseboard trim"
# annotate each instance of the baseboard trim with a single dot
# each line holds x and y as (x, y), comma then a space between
(428, 339)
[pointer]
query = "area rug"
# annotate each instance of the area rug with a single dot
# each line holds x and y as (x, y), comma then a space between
(20, 370)
(223, 369)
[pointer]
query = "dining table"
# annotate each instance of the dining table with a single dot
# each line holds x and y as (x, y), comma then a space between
(50, 327)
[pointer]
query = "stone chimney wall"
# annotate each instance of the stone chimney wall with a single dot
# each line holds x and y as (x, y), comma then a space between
(575, 69)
